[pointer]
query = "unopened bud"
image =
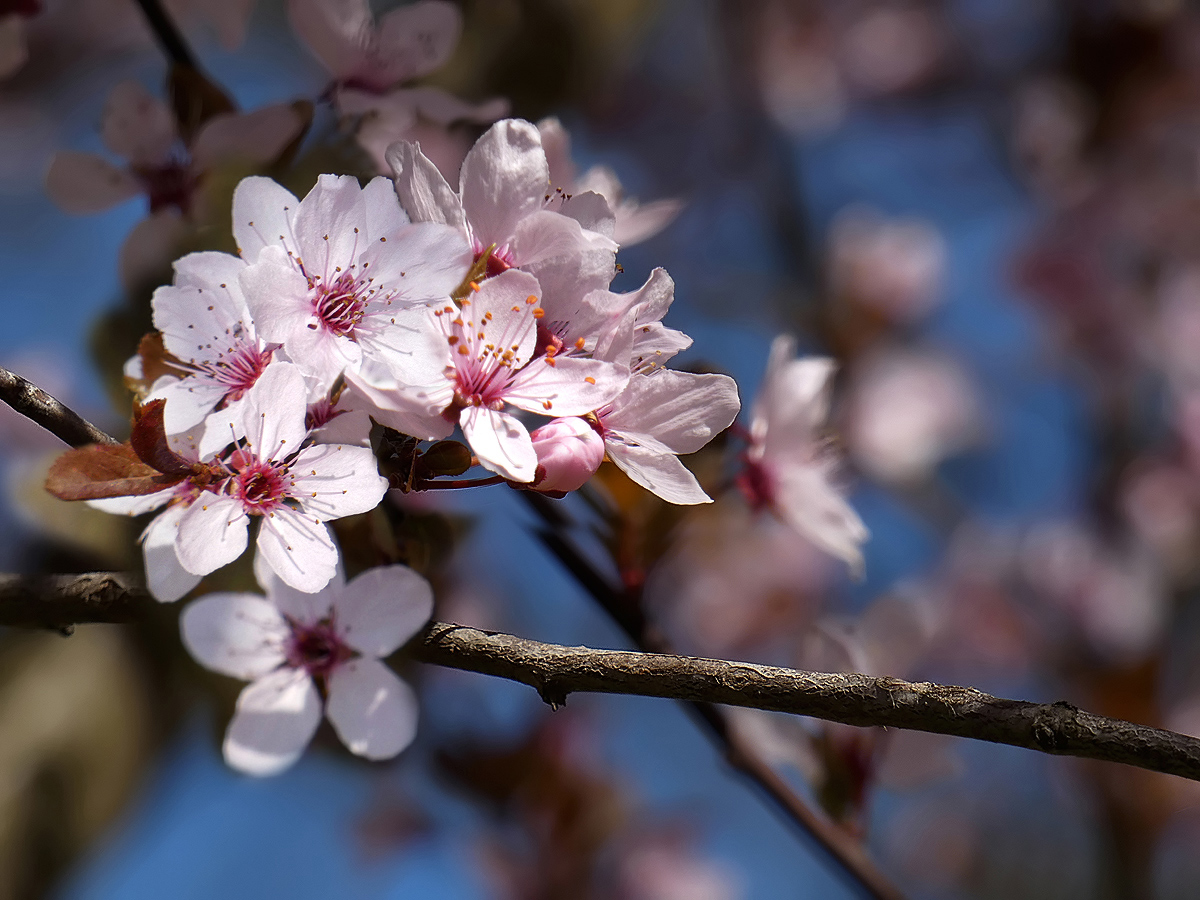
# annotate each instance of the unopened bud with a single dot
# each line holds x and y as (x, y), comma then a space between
(569, 452)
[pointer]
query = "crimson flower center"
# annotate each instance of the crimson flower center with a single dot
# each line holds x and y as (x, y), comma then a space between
(261, 487)
(318, 649)
(238, 370)
(341, 305)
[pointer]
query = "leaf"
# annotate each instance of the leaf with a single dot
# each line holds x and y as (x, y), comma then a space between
(156, 362)
(98, 471)
(149, 441)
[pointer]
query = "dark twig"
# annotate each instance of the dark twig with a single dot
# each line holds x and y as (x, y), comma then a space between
(168, 35)
(62, 601)
(32, 402)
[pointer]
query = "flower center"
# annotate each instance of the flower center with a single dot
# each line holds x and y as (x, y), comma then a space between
(239, 369)
(171, 184)
(757, 485)
(340, 306)
(316, 648)
(261, 487)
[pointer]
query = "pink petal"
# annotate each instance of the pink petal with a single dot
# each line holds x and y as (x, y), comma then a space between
(568, 261)
(189, 401)
(299, 549)
(410, 410)
(254, 138)
(277, 296)
(807, 502)
(212, 533)
(275, 719)
(13, 49)
(262, 217)
(242, 635)
(330, 226)
(501, 442)
(336, 31)
(275, 410)
(591, 211)
(85, 183)
(385, 215)
(556, 142)
(794, 398)
(416, 39)
(639, 222)
(373, 711)
(504, 179)
(299, 606)
(137, 125)
(149, 248)
(382, 608)
(421, 262)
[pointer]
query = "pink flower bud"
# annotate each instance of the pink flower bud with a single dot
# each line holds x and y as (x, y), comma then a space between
(569, 452)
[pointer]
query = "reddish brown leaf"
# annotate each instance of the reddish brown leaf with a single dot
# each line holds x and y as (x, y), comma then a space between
(156, 362)
(149, 441)
(98, 471)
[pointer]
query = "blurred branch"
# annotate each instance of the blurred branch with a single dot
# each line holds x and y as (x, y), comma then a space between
(32, 402)
(62, 601)
(555, 672)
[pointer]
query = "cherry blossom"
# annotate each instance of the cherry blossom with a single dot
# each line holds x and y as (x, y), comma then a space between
(503, 208)
(635, 222)
(217, 353)
(292, 489)
(289, 643)
(788, 470)
(494, 360)
(342, 275)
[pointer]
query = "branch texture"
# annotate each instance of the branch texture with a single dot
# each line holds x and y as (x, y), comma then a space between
(1059, 728)
(32, 402)
(62, 601)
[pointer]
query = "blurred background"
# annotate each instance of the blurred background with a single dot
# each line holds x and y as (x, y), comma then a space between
(988, 212)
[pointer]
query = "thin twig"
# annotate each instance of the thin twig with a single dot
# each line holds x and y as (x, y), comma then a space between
(32, 402)
(625, 608)
(168, 35)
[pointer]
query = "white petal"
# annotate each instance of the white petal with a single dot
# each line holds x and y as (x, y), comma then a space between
(421, 262)
(299, 549)
(299, 606)
(639, 222)
(242, 635)
(276, 407)
(501, 442)
(385, 215)
(86, 183)
(212, 533)
(422, 190)
(137, 125)
(166, 578)
(373, 711)
(556, 143)
(277, 296)
(335, 480)
(568, 261)
(658, 472)
(382, 608)
(330, 226)
(132, 506)
(189, 401)
(275, 719)
(408, 409)
(262, 216)
(680, 410)
(504, 179)
(591, 211)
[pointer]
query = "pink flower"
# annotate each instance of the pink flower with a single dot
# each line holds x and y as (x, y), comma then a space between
(141, 128)
(634, 222)
(407, 43)
(569, 451)
(293, 489)
(493, 359)
(660, 415)
(341, 275)
(787, 469)
(504, 205)
(288, 643)
(206, 326)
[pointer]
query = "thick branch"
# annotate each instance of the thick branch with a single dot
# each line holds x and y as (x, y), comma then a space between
(32, 402)
(863, 700)
(61, 601)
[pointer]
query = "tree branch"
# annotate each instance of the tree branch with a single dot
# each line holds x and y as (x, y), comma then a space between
(32, 402)
(555, 672)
